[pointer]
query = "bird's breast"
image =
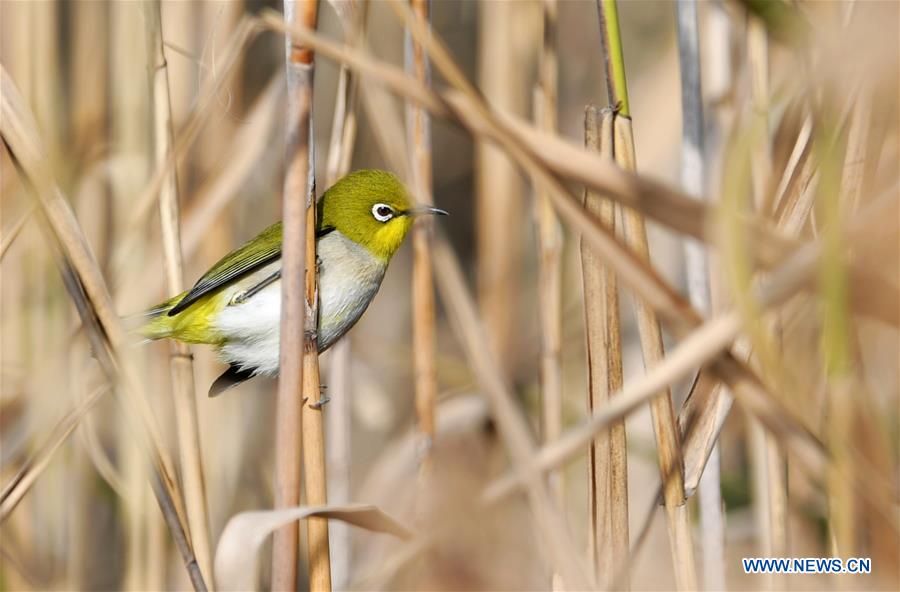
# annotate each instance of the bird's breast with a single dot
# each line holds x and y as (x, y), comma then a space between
(349, 277)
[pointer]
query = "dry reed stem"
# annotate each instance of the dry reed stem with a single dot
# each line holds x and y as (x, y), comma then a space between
(668, 437)
(24, 144)
(761, 158)
(792, 206)
(464, 110)
(181, 359)
(313, 431)
(339, 418)
(418, 130)
(244, 32)
(508, 421)
(693, 181)
(246, 148)
(738, 376)
(532, 148)
(550, 248)
(701, 346)
(9, 236)
(295, 203)
(512, 428)
(834, 189)
(607, 454)
(497, 183)
(665, 428)
(769, 468)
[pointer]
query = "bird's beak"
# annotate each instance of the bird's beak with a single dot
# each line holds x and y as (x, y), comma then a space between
(426, 210)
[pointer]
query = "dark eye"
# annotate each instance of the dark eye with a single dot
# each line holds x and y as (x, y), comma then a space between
(382, 212)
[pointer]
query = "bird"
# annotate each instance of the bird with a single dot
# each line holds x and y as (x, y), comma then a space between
(236, 306)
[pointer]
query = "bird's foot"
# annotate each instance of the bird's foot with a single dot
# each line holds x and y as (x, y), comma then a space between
(323, 399)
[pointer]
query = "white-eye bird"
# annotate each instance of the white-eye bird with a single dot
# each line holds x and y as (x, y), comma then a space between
(236, 305)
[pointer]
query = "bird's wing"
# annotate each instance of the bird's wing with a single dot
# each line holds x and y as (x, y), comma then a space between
(257, 253)
(260, 251)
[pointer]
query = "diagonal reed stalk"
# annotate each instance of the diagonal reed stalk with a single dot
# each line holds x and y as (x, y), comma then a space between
(94, 304)
(668, 437)
(418, 129)
(181, 359)
(297, 202)
(532, 148)
(479, 119)
(607, 455)
(542, 153)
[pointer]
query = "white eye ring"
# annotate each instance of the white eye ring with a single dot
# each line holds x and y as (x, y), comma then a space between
(382, 212)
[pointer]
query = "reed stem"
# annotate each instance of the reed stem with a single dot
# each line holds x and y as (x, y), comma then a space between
(181, 359)
(607, 454)
(668, 436)
(550, 247)
(339, 418)
(693, 181)
(298, 200)
(424, 332)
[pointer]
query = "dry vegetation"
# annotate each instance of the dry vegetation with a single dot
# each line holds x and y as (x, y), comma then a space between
(623, 365)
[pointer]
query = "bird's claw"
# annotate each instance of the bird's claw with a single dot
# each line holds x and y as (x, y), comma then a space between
(323, 399)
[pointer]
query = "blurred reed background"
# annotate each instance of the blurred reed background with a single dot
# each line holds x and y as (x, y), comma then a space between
(764, 136)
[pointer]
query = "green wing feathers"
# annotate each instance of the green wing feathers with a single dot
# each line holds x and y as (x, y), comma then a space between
(256, 253)
(188, 316)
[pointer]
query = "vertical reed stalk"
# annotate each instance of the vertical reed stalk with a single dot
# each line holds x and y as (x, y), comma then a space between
(418, 129)
(314, 478)
(181, 360)
(607, 455)
(668, 437)
(769, 469)
(835, 339)
(339, 418)
(693, 177)
(497, 182)
(550, 247)
(296, 202)
(549, 238)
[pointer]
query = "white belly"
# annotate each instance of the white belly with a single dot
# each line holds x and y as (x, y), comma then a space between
(349, 277)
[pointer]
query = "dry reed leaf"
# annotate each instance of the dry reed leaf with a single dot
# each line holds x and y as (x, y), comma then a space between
(10, 235)
(236, 555)
(19, 485)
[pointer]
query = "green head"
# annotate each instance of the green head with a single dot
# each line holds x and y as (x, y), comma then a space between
(372, 208)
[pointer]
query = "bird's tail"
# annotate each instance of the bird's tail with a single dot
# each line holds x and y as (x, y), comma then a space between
(154, 323)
